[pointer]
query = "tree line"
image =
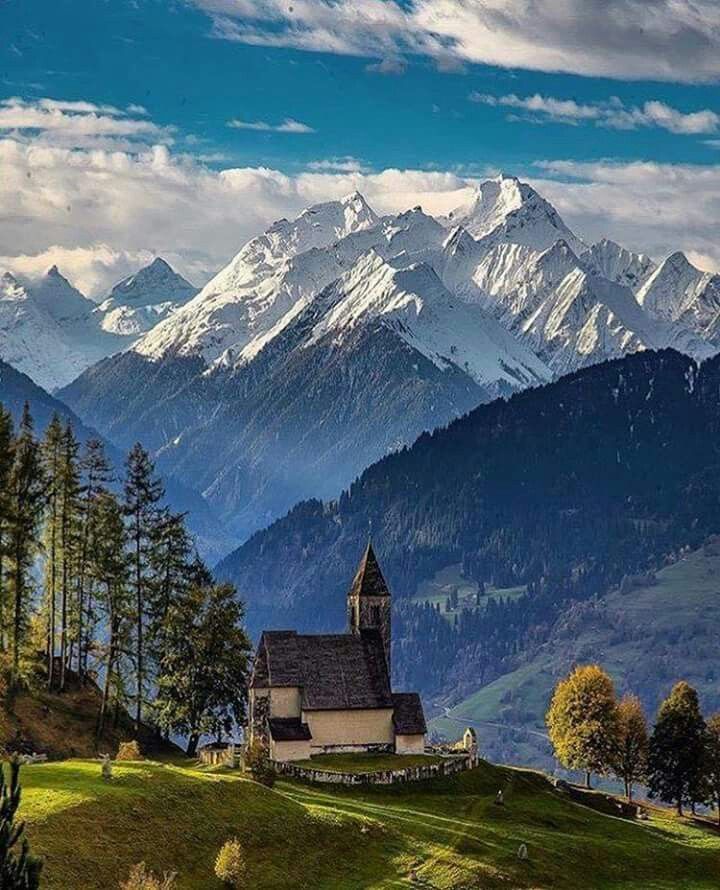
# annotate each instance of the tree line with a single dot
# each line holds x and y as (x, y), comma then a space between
(101, 581)
(678, 759)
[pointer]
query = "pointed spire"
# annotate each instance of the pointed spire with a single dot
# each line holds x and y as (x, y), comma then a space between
(369, 580)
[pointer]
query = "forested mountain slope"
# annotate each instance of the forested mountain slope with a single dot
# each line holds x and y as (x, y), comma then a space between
(560, 491)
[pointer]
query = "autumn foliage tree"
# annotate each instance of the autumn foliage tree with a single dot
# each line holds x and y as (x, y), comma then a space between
(583, 720)
(629, 755)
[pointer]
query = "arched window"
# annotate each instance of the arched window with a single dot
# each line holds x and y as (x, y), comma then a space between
(375, 616)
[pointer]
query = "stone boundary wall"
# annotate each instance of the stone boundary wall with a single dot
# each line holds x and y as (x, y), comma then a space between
(448, 767)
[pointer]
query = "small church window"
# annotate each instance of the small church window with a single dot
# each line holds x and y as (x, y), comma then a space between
(375, 615)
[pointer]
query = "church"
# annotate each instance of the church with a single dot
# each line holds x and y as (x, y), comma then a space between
(323, 693)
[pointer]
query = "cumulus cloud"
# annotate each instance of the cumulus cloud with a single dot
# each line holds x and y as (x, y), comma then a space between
(611, 113)
(287, 126)
(652, 207)
(675, 40)
(101, 212)
(79, 123)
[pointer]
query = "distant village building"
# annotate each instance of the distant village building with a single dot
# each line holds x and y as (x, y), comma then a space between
(320, 693)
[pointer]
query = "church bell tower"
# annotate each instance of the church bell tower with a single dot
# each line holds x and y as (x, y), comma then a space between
(369, 603)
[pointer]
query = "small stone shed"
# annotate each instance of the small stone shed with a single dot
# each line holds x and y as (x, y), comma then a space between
(219, 754)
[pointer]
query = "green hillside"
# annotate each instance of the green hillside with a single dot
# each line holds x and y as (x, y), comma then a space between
(646, 638)
(449, 832)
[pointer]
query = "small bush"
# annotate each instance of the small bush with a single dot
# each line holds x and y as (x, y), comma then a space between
(257, 760)
(141, 878)
(230, 864)
(129, 751)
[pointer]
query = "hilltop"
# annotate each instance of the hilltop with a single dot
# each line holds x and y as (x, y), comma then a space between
(447, 832)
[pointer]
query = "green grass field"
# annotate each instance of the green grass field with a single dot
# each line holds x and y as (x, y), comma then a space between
(446, 831)
(449, 580)
(367, 763)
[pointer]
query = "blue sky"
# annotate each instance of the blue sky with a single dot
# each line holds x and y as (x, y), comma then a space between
(338, 88)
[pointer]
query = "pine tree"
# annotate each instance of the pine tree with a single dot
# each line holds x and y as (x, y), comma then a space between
(142, 494)
(109, 567)
(711, 766)
(69, 518)
(582, 720)
(6, 460)
(202, 687)
(19, 870)
(629, 759)
(51, 456)
(97, 475)
(675, 758)
(27, 495)
(170, 565)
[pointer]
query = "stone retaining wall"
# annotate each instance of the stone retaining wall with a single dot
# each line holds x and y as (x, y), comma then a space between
(447, 767)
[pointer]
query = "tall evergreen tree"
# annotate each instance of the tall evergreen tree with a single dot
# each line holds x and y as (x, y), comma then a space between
(97, 475)
(69, 518)
(143, 491)
(19, 870)
(677, 746)
(170, 563)
(27, 494)
(109, 566)
(52, 459)
(6, 460)
(202, 687)
(711, 766)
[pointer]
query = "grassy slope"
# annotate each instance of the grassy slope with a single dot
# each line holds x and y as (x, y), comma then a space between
(451, 579)
(64, 725)
(647, 639)
(448, 831)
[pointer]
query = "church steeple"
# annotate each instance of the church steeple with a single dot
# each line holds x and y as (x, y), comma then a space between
(368, 601)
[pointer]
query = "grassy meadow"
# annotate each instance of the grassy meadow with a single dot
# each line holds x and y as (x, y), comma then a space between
(445, 833)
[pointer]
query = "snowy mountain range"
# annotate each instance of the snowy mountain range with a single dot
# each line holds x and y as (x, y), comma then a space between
(52, 332)
(337, 336)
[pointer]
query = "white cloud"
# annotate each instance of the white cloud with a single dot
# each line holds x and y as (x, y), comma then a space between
(611, 113)
(100, 212)
(78, 124)
(647, 206)
(675, 40)
(287, 126)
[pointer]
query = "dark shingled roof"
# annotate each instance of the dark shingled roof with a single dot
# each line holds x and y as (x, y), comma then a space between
(289, 729)
(333, 671)
(369, 580)
(408, 717)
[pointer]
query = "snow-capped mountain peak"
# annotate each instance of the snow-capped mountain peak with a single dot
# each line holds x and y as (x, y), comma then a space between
(59, 298)
(619, 264)
(157, 282)
(414, 303)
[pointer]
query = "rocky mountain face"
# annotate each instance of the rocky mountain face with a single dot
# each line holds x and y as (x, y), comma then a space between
(335, 337)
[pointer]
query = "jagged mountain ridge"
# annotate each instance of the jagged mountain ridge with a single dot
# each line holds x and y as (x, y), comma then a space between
(52, 332)
(531, 298)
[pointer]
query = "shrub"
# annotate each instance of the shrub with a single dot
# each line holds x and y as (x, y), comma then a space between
(129, 751)
(141, 878)
(230, 863)
(257, 760)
